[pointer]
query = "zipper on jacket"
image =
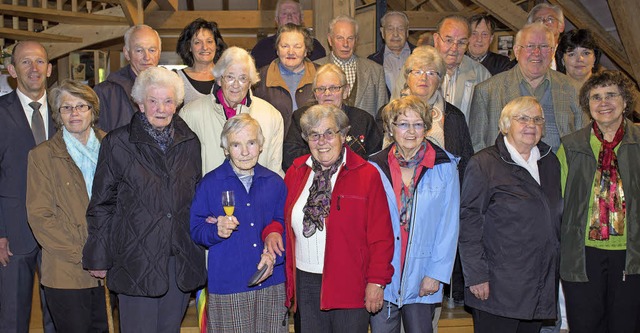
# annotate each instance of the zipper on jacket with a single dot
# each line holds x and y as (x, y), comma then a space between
(409, 245)
(624, 276)
(338, 204)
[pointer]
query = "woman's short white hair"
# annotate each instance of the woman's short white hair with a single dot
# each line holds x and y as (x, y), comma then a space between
(516, 104)
(233, 56)
(237, 123)
(158, 77)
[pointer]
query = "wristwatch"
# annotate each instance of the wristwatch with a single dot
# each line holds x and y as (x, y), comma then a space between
(379, 285)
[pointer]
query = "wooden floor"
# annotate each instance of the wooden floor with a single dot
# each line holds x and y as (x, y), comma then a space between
(455, 320)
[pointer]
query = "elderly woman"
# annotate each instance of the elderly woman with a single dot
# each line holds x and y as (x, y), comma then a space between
(511, 206)
(578, 55)
(138, 215)
(60, 178)
(600, 247)
(330, 87)
(234, 74)
(199, 46)
(287, 82)
(339, 240)
(257, 223)
(423, 193)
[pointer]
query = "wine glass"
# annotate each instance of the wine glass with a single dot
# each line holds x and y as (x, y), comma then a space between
(228, 202)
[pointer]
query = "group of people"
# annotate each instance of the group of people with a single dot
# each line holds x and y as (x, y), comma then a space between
(343, 189)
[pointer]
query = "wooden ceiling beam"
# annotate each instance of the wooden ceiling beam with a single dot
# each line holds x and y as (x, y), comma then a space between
(581, 18)
(505, 11)
(232, 19)
(37, 36)
(63, 16)
(133, 11)
(170, 5)
(422, 20)
(625, 14)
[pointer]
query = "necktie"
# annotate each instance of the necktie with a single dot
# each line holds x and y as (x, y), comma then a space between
(37, 124)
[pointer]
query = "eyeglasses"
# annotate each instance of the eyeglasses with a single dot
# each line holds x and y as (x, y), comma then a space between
(597, 98)
(328, 135)
(530, 48)
(546, 20)
(230, 79)
(483, 35)
(420, 73)
(449, 41)
(399, 30)
(82, 108)
(526, 120)
(405, 126)
(323, 90)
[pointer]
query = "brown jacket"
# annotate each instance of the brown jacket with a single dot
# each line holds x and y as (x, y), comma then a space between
(57, 203)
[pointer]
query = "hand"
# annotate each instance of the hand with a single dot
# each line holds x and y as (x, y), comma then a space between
(100, 274)
(273, 243)
(266, 259)
(429, 286)
(211, 220)
(5, 253)
(480, 291)
(227, 225)
(373, 298)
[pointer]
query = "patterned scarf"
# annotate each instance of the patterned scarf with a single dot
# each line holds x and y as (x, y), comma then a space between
(163, 137)
(609, 210)
(406, 194)
(84, 156)
(319, 201)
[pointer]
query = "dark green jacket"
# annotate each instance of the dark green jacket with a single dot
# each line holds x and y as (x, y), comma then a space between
(580, 164)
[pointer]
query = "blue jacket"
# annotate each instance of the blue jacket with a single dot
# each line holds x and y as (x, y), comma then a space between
(232, 261)
(433, 236)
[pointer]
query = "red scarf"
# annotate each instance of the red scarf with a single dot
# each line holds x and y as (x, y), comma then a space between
(229, 112)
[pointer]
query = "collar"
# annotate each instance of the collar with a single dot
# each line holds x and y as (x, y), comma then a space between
(225, 170)
(25, 100)
(543, 148)
(522, 78)
(274, 78)
(405, 52)
(478, 59)
(340, 62)
(351, 160)
(181, 133)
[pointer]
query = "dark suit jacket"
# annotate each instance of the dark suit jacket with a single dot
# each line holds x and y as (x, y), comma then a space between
(16, 139)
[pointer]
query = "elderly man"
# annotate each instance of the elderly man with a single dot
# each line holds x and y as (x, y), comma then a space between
(482, 28)
(552, 17)
(26, 122)
(396, 49)
(287, 11)
(368, 90)
(142, 48)
(534, 49)
(463, 73)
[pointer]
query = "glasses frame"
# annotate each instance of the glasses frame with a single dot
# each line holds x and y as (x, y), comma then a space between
(597, 98)
(450, 41)
(328, 135)
(230, 79)
(421, 126)
(526, 120)
(331, 89)
(68, 109)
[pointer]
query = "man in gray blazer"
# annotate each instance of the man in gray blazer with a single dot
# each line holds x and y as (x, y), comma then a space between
(365, 77)
(463, 74)
(556, 93)
(25, 121)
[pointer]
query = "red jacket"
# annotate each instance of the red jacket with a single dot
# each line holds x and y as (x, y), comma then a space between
(359, 244)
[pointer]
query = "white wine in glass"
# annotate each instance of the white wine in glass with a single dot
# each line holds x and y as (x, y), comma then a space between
(228, 202)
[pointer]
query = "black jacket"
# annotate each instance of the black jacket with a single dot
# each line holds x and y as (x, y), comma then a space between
(116, 105)
(509, 233)
(378, 56)
(138, 215)
(497, 63)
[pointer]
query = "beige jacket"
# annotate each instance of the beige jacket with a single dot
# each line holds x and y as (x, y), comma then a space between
(57, 203)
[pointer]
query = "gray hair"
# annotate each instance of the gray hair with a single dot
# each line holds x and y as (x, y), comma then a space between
(454, 17)
(516, 104)
(400, 106)
(135, 28)
(423, 56)
(281, 2)
(236, 124)
(329, 68)
(543, 5)
(75, 89)
(159, 77)
(343, 18)
(402, 15)
(315, 114)
(232, 56)
(534, 27)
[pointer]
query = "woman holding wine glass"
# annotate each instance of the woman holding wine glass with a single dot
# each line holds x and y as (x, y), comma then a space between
(247, 235)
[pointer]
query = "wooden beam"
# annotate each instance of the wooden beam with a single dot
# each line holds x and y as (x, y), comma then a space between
(581, 18)
(625, 14)
(423, 20)
(170, 5)
(133, 11)
(232, 19)
(37, 36)
(504, 11)
(61, 16)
